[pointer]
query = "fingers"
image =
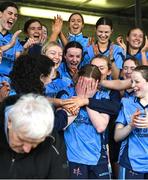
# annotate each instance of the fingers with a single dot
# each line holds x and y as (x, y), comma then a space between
(71, 109)
(140, 120)
(14, 37)
(140, 123)
(30, 42)
(16, 34)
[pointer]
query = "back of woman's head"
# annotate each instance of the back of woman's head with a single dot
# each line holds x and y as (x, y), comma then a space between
(26, 73)
(90, 71)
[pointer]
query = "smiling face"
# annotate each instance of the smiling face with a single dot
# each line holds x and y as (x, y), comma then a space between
(102, 64)
(73, 57)
(139, 85)
(55, 54)
(7, 19)
(135, 38)
(128, 68)
(75, 24)
(34, 31)
(103, 33)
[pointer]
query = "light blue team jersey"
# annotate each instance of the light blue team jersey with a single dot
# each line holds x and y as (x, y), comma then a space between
(134, 149)
(138, 56)
(84, 144)
(4, 78)
(8, 57)
(65, 75)
(84, 41)
(128, 94)
(52, 89)
(118, 54)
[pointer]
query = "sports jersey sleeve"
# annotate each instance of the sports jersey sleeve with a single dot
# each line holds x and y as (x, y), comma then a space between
(61, 120)
(118, 55)
(19, 47)
(147, 55)
(109, 106)
(121, 117)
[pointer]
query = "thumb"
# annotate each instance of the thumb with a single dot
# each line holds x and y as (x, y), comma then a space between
(16, 34)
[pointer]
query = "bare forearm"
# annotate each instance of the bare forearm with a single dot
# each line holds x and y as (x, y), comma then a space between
(57, 102)
(98, 120)
(53, 37)
(6, 47)
(116, 84)
(122, 132)
(63, 38)
(115, 71)
(144, 58)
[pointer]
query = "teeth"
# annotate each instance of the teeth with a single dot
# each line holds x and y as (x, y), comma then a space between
(10, 21)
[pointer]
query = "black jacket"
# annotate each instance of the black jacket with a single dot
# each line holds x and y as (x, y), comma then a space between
(45, 161)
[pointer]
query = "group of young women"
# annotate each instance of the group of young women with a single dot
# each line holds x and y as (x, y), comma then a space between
(79, 77)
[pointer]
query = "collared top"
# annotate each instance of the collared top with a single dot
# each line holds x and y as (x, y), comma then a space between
(9, 56)
(134, 149)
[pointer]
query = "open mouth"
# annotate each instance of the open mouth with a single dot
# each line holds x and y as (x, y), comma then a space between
(75, 27)
(10, 23)
(36, 37)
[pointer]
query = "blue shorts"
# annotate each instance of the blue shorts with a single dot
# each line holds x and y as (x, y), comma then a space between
(83, 171)
(125, 173)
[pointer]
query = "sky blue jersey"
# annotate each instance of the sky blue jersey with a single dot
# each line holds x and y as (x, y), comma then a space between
(134, 149)
(65, 75)
(84, 144)
(84, 41)
(118, 54)
(52, 89)
(138, 56)
(8, 57)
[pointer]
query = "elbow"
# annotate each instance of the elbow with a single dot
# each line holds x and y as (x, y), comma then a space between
(100, 129)
(116, 138)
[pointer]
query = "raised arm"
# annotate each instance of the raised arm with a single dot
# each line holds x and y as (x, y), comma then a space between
(143, 52)
(56, 28)
(115, 72)
(121, 43)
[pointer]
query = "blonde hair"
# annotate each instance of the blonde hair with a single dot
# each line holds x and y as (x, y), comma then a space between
(49, 44)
